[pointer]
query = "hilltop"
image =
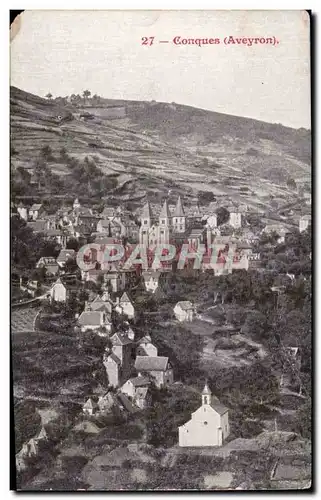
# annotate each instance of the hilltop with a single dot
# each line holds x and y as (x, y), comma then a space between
(148, 148)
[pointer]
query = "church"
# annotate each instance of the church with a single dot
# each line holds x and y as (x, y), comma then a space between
(209, 425)
(157, 230)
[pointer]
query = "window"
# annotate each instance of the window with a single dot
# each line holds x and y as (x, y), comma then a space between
(162, 231)
(145, 221)
(226, 428)
(163, 221)
(205, 400)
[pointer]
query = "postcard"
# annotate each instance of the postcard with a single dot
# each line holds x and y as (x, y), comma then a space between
(161, 252)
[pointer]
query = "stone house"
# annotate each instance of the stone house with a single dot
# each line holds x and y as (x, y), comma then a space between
(142, 398)
(65, 255)
(209, 425)
(59, 292)
(113, 369)
(184, 310)
(151, 280)
(118, 362)
(90, 407)
(50, 264)
(304, 222)
(145, 347)
(105, 402)
(125, 306)
(22, 211)
(133, 384)
(36, 211)
(122, 348)
(157, 367)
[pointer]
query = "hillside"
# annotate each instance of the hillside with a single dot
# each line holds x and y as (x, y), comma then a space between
(148, 148)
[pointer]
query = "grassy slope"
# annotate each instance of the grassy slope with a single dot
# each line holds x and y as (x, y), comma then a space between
(162, 146)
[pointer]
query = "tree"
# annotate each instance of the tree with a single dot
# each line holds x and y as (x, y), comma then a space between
(256, 325)
(49, 96)
(223, 216)
(86, 94)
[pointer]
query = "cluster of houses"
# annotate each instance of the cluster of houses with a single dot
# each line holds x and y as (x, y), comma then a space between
(151, 226)
(132, 364)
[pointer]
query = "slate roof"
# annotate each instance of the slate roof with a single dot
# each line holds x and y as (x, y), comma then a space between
(114, 358)
(185, 305)
(141, 393)
(179, 211)
(145, 340)
(125, 298)
(120, 339)
(146, 211)
(165, 210)
(219, 407)
(151, 363)
(126, 403)
(66, 254)
(35, 206)
(93, 318)
(139, 381)
(90, 404)
(39, 225)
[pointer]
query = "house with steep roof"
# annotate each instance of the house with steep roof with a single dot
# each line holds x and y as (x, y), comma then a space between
(112, 365)
(90, 407)
(137, 390)
(209, 425)
(67, 254)
(125, 306)
(49, 264)
(122, 348)
(59, 292)
(304, 222)
(106, 402)
(35, 211)
(145, 347)
(142, 397)
(22, 211)
(30, 449)
(151, 280)
(157, 367)
(184, 311)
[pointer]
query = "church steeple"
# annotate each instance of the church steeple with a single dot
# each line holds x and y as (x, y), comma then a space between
(164, 215)
(179, 211)
(206, 395)
(146, 215)
(179, 219)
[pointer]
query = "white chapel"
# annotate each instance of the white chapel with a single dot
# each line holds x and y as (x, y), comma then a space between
(209, 425)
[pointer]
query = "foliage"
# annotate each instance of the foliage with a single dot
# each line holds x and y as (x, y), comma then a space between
(223, 216)
(27, 247)
(27, 422)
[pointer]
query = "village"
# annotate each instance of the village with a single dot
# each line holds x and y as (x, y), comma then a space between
(130, 357)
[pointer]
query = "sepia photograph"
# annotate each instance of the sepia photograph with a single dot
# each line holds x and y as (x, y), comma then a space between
(161, 250)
